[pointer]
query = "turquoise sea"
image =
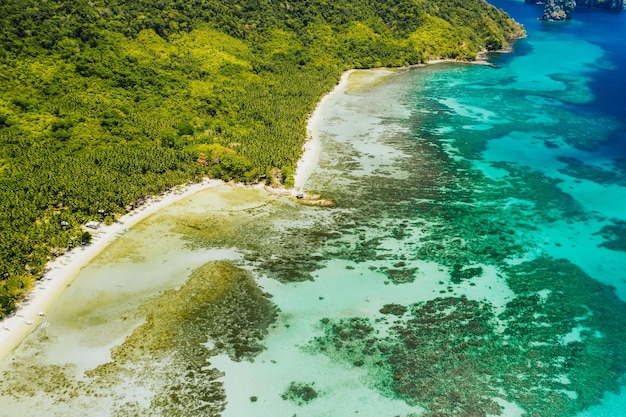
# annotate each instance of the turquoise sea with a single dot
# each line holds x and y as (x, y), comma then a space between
(474, 264)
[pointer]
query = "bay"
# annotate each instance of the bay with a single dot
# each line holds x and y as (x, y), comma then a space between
(474, 264)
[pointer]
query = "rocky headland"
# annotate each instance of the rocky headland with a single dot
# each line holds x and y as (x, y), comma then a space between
(603, 4)
(558, 10)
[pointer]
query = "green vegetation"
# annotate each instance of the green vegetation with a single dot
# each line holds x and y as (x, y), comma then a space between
(104, 103)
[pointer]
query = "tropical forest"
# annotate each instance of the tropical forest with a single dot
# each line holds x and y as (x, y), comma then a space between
(104, 103)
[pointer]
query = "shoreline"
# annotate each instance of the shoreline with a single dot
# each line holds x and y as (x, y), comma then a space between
(60, 272)
(313, 146)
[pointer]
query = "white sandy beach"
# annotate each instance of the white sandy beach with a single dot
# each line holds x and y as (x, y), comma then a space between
(62, 270)
(313, 146)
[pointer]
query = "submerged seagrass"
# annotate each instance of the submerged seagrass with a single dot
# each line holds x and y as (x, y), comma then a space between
(166, 360)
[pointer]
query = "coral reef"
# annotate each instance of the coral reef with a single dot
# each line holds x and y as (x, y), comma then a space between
(300, 393)
(554, 350)
(615, 236)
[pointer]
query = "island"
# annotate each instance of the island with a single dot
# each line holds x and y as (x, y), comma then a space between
(555, 10)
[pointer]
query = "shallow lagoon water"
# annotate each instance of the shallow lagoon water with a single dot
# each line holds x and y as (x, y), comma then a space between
(473, 265)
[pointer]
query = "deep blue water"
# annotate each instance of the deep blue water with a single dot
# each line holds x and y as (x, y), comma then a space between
(475, 264)
(551, 123)
(516, 172)
(606, 29)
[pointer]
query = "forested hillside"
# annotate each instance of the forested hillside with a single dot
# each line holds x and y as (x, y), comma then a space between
(104, 102)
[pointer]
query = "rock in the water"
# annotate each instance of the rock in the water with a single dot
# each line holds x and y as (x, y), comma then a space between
(558, 9)
(562, 9)
(603, 4)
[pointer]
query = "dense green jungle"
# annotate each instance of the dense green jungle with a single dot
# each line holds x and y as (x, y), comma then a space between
(103, 103)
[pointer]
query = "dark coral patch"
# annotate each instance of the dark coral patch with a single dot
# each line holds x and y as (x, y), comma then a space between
(554, 350)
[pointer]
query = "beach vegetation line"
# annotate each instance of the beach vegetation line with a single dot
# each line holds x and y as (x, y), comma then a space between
(105, 103)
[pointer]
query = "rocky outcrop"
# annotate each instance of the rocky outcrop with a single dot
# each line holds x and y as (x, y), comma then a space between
(314, 199)
(558, 10)
(603, 4)
(303, 197)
